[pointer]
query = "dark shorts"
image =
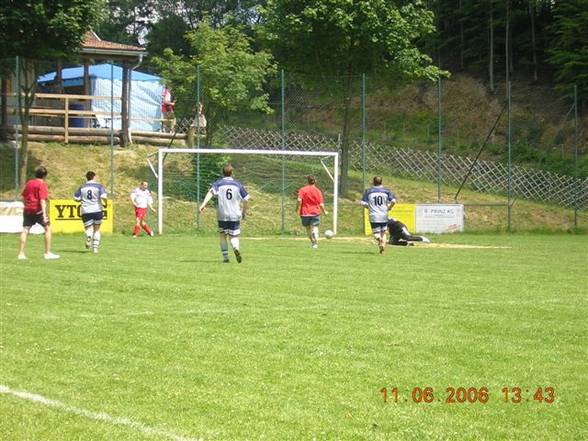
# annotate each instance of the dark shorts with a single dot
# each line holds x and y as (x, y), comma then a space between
(379, 227)
(310, 221)
(92, 218)
(232, 228)
(30, 219)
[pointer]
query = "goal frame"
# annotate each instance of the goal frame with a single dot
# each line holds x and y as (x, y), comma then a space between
(321, 154)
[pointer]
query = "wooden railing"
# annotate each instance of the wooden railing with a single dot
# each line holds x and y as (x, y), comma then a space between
(64, 111)
(61, 131)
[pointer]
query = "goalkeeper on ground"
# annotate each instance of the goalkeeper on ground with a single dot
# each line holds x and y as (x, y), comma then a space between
(399, 234)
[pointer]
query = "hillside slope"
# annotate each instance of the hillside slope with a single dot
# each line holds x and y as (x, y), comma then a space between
(406, 115)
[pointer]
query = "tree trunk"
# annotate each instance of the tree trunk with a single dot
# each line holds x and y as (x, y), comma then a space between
(461, 36)
(491, 48)
(533, 39)
(345, 141)
(28, 89)
(3, 109)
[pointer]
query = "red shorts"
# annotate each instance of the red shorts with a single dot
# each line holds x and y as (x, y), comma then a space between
(140, 213)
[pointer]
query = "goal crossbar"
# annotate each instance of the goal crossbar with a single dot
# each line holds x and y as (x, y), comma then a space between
(164, 151)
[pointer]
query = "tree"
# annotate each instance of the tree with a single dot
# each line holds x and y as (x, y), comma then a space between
(348, 38)
(176, 17)
(126, 21)
(41, 30)
(232, 76)
(168, 33)
(568, 51)
(216, 12)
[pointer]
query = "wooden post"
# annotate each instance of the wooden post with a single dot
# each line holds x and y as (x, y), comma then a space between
(86, 89)
(59, 77)
(66, 120)
(124, 136)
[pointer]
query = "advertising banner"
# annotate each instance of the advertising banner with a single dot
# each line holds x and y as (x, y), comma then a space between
(439, 218)
(65, 216)
(405, 213)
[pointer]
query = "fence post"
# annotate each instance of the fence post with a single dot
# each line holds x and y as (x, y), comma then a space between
(198, 107)
(440, 138)
(111, 127)
(66, 122)
(283, 124)
(509, 188)
(197, 146)
(18, 123)
(363, 130)
(576, 167)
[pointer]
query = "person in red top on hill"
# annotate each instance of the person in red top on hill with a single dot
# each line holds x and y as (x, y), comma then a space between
(167, 110)
(309, 207)
(36, 211)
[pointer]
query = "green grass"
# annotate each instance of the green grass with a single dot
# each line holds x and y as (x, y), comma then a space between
(293, 344)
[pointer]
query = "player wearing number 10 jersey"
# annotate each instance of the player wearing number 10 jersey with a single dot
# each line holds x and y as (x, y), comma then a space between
(91, 195)
(230, 194)
(379, 201)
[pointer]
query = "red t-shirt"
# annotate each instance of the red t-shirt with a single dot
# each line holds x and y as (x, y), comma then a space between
(311, 198)
(33, 193)
(166, 102)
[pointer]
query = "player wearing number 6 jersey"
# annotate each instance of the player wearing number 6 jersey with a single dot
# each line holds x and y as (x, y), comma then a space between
(91, 195)
(230, 194)
(379, 201)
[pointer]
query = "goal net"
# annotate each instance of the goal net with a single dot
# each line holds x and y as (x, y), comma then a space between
(271, 177)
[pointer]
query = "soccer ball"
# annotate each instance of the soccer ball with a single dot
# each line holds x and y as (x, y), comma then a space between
(329, 234)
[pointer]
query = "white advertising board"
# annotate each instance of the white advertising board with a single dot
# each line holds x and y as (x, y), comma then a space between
(439, 218)
(11, 218)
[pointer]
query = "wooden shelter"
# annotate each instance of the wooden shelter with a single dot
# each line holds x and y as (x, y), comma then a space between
(56, 106)
(130, 57)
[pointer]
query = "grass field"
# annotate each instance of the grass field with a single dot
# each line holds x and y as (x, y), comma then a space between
(156, 339)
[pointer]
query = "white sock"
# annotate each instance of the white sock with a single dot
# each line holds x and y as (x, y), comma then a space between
(224, 246)
(315, 233)
(88, 232)
(96, 241)
(235, 243)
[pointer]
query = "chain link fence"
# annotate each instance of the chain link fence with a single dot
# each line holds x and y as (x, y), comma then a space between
(486, 176)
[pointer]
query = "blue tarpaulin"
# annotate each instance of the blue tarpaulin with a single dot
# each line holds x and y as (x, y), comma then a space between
(74, 76)
(146, 91)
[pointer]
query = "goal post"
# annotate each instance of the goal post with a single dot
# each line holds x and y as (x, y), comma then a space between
(317, 156)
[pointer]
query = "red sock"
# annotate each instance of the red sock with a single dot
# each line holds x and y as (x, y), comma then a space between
(136, 230)
(147, 229)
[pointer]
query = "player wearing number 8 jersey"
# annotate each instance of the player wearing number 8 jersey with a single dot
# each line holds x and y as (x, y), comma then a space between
(230, 194)
(379, 201)
(91, 195)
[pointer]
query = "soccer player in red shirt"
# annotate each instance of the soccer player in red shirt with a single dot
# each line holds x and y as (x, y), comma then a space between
(310, 204)
(36, 211)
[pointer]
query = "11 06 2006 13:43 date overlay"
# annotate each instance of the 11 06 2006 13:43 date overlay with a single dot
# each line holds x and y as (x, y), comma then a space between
(468, 395)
